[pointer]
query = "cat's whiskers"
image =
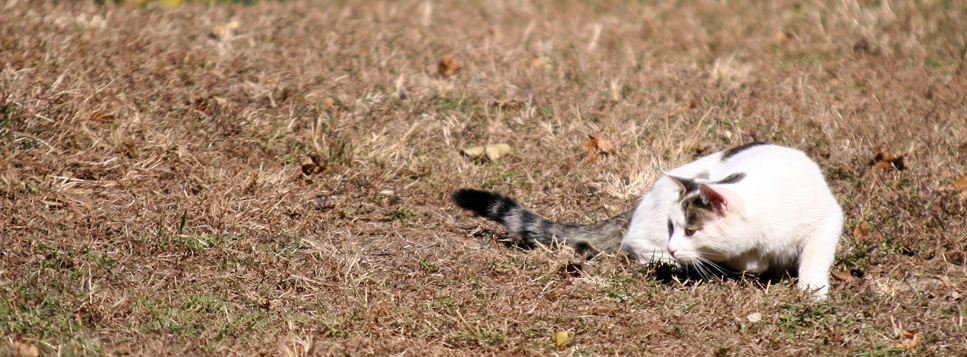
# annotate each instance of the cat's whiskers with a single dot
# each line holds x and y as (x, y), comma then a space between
(699, 268)
(712, 264)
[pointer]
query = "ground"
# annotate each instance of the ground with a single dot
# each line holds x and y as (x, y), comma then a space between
(273, 178)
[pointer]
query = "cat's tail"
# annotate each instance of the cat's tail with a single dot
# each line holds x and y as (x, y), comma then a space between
(603, 236)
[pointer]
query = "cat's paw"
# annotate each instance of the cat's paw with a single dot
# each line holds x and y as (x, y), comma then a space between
(816, 290)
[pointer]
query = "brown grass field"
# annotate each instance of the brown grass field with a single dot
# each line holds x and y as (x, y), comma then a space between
(273, 178)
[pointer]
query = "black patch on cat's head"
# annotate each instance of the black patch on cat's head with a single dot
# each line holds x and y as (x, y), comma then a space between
(687, 185)
(733, 178)
(733, 151)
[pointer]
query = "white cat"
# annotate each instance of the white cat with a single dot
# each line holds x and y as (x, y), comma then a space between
(754, 208)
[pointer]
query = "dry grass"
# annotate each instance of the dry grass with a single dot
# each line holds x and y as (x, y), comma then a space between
(152, 199)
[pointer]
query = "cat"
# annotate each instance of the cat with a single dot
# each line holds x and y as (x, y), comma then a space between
(754, 208)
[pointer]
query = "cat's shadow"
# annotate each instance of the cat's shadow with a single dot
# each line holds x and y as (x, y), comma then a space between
(664, 273)
(678, 275)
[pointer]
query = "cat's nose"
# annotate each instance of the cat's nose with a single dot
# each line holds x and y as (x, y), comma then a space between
(671, 251)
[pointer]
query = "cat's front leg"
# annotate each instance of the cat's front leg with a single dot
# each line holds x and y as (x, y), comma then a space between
(818, 254)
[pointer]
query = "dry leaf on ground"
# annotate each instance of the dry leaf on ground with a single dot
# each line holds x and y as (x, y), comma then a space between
(861, 231)
(328, 102)
(448, 66)
(495, 151)
(474, 152)
(560, 338)
(223, 30)
(701, 150)
(782, 37)
(25, 349)
(907, 340)
(885, 162)
(509, 103)
(842, 275)
(957, 185)
(691, 104)
(597, 145)
(491, 152)
(960, 184)
(312, 165)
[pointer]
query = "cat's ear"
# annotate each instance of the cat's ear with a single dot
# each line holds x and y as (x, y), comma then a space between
(716, 200)
(684, 184)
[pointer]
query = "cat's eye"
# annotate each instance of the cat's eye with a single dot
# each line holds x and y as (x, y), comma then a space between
(671, 228)
(689, 232)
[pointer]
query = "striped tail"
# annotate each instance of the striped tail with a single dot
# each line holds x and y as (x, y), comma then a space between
(603, 236)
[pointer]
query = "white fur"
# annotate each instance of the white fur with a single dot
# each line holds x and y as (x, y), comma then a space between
(779, 216)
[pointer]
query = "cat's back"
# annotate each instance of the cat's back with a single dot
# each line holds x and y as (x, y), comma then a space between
(781, 178)
(772, 163)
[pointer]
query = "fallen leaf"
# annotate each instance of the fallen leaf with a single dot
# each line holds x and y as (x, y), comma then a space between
(560, 338)
(448, 66)
(495, 151)
(861, 232)
(596, 145)
(754, 317)
(491, 152)
(474, 152)
(783, 36)
(842, 275)
(206, 104)
(907, 340)
(960, 183)
(691, 104)
(510, 103)
(702, 150)
(26, 350)
(312, 165)
(328, 102)
(885, 162)
(224, 29)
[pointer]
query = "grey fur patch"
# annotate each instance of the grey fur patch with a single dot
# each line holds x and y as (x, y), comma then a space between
(734, 151)
(697, 212)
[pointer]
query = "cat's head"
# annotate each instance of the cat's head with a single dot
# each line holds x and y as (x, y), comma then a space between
(702, 222)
